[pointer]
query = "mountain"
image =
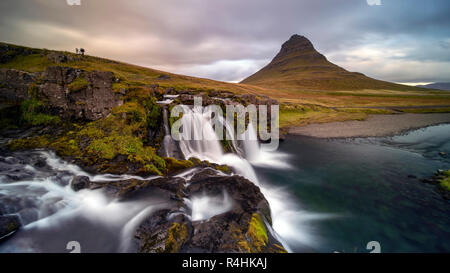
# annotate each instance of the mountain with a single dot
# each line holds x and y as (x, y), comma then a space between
(299, 66)
(437, 85)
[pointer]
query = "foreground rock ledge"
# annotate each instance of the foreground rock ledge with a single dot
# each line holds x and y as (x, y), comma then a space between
(242, 229)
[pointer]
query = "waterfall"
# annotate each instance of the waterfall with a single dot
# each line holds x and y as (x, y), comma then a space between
(169, 145)
(286, 216)
(46, 204)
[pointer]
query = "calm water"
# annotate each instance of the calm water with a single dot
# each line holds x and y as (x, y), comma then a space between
(364, 184)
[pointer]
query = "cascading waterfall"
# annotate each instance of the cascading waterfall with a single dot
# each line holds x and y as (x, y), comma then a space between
(169, 144)
(46, 204)
(290, 223)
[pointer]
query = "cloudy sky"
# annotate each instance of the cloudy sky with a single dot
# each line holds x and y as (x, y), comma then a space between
(404, 41)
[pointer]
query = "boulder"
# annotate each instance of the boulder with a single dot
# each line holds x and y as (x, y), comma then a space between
(8, 225)
(241, 229)
(80, 182)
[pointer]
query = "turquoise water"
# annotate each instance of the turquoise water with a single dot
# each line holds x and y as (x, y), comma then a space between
(364, 183)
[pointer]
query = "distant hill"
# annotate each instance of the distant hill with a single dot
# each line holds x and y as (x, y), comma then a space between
(299, 66)
(437, 85)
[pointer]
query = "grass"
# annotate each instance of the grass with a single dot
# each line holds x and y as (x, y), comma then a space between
(32, 113)
(136, 81)
(301, 115)
(78, 84)
(100, 142)
(444, 183)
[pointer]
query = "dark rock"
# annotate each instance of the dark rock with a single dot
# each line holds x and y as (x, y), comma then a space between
(169, 230)
(80, 182)
(127, 188)
(164, 77)
(14, 84)
(91, 102)
(57, 57)
(8, 225)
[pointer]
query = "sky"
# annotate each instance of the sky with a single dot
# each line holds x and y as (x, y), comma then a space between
(406, 41)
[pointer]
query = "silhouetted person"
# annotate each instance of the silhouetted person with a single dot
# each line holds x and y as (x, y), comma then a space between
(76, 49)
(82, 51)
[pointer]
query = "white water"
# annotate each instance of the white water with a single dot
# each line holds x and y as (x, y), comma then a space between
(204, 207)
(47, 205)
(291, 225)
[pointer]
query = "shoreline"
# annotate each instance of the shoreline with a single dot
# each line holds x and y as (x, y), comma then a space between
(374, 126)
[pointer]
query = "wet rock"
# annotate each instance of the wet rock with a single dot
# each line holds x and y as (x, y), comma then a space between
(28, 215)
(162, 234)
(80, 182)
(8, 225)
(131, 187)
(170, 230)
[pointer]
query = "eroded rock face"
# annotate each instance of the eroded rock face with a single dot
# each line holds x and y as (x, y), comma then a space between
(243, 228)
(70, 93)
(14, 84)
(91, 99)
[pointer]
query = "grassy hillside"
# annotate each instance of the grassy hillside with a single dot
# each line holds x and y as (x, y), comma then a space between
(298, 66)
(132, 76)
(328, 105)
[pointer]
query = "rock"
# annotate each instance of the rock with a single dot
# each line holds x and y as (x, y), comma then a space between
(170, 230)
(167, 186)
(92, 101)
(70, 93)
(57, 57)
(157, 234)
(442, 153)
(14, 84)
(80, 183)
(163, 77)
(8, 225)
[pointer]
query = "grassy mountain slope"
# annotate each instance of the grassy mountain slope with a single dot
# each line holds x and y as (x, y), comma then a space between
(132, 76)
(321, 106)
(298, 66)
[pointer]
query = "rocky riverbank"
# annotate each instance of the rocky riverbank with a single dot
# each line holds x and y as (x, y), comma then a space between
(107, 124)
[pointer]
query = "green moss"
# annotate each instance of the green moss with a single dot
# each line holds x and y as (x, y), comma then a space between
(257, 232)
(444, 183)
(78, 84)
(151, 169)
(195, 160)
(154, 111)
(174, 165)
(223, 168)
(32, 113)
(176, 237)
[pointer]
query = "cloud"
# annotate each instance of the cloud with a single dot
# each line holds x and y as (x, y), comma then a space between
(229, 40)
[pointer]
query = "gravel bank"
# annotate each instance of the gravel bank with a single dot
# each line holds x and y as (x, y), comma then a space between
(375, 125)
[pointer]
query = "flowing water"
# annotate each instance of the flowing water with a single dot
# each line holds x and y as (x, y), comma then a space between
(325, 195)
(368, 186)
